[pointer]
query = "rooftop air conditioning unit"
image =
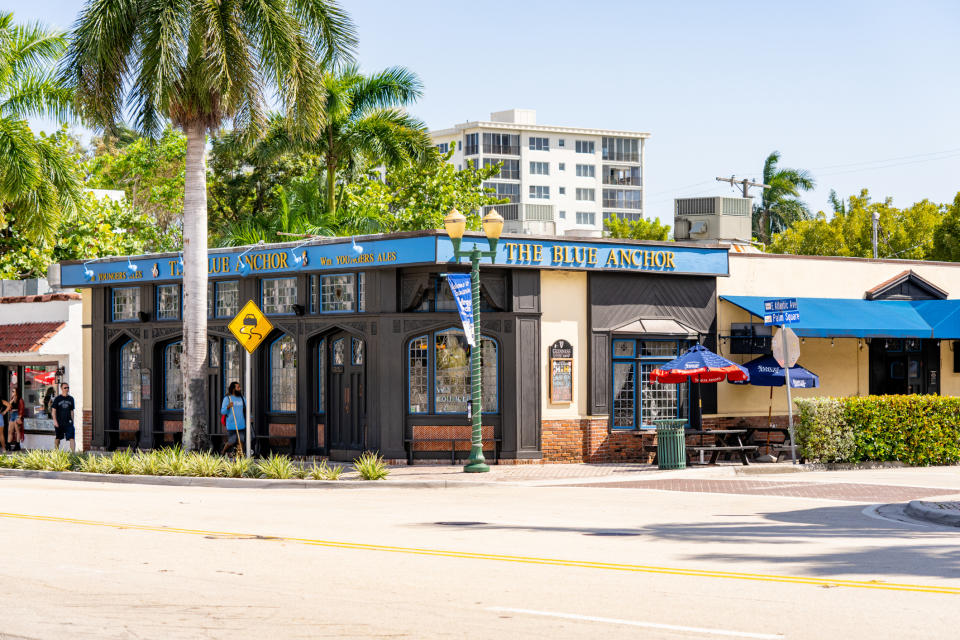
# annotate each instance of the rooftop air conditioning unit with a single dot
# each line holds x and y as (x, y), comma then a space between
(715, 219)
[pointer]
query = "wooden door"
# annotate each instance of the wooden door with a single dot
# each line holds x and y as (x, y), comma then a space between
(347, 402)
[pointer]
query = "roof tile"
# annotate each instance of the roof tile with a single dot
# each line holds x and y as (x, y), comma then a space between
(27, 337)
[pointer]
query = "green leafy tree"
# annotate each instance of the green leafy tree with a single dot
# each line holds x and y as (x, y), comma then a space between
(904, 233)
(946, 238)
(149, 172)
(366, 124)
(200, 65)
(98, 228)
(416, 195)
(38, 179)
(642, 229)
(780, 205)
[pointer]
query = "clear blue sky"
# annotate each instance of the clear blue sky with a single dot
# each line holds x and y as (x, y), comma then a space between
(863, 94)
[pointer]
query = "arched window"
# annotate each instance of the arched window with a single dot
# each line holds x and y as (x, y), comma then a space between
(173, 377)
(130, 375)
(440, 363)
(283, 375)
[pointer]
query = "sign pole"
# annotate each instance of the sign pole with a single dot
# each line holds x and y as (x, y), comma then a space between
(246, 414)
(793, 437)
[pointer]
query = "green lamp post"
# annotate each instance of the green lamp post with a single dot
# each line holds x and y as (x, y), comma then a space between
(455, 223)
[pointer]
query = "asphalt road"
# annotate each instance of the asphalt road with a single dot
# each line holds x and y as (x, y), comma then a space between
(100, 561)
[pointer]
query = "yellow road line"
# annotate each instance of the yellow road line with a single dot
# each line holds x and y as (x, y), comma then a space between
(468, 555)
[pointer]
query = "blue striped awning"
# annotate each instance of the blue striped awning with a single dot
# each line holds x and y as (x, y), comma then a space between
(856, 318)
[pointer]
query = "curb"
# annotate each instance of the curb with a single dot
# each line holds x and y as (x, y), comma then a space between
(933, 512)
(761, 469)
(243, 483)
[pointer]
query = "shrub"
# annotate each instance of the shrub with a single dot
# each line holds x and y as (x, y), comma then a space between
(204, 464)
(325, 472)
(121, 462)
(239, 467)
(371, 466)
(276, 467)
(35, 460)
(8, 462)
(172, 462)
(93, 463)
(60, 460)
(823, 434)
(913, 429)
(146, 463)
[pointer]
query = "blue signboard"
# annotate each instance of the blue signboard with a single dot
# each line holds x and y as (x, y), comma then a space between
(780, 311)
(261, 261)
(460, 287)
(597, 256)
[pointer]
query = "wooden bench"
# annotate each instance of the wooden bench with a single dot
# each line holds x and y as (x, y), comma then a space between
(453, 435)
(716, 451)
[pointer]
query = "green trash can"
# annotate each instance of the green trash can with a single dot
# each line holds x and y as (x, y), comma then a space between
(671, 447)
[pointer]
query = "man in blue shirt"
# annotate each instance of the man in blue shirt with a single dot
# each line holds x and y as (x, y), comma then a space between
(234, 409)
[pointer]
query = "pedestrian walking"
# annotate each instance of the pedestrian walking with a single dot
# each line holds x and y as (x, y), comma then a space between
(63, 407)
(14, 410)
(233, 410)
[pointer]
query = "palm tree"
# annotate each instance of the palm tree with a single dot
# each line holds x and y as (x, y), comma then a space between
(780, 204)
(201, 64)
(38, 177)
(366, 124)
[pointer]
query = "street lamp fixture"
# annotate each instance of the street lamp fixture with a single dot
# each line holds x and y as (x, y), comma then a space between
(455, 224)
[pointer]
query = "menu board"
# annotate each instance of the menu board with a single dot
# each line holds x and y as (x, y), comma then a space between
(561, 372)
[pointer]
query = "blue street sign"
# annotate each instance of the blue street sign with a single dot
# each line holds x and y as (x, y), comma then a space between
(781, 311)
(781, 304)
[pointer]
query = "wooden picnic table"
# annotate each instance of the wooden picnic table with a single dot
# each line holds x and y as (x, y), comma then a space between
(726, 441)
(781, 448)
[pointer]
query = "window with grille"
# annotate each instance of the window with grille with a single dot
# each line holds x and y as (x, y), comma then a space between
(585, 146)
(232, 363)
(539, 192)
(278, 295)
(125, 303)
(168, 302)
(228, 298)
(540, 168)
(509, 169)
(443, 358)
(337, 292)
(130, 375)
(586, 171)
(586, 194)
(539, 144)
(586, 217)
(639, 401)
(322, 376)
(283, 375)
(173, 377)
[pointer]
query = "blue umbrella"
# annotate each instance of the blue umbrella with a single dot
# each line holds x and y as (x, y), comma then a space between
(765, 372)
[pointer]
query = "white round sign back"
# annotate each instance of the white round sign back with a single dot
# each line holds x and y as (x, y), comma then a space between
(786, 347)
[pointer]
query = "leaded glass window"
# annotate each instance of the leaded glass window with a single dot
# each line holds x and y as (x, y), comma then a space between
(314, 293)
(232, 362)
(418, 368)
(168, 302)
(211, 299)
(125, 303)
(639, 401)
(338, 350)
(356, 351)
(447, 358)
(130, 375)
(336, 293)
(361, 291)
(279, 295)
(228, 298)
(173, 376)
(283, 375)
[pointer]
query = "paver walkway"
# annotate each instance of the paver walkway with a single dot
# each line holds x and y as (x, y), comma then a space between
(847, 491)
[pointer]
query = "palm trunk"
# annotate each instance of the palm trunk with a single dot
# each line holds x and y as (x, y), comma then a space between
(331, 185)
(194, 363)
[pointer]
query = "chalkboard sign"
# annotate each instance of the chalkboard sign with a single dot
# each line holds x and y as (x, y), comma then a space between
(561, 372)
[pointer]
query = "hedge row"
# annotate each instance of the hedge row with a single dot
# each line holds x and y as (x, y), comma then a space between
(915, 429)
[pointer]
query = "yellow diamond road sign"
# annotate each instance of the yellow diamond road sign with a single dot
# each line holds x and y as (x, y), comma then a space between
(250, 326)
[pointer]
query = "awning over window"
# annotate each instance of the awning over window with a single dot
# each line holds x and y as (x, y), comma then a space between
(660, 327)
(854, 318)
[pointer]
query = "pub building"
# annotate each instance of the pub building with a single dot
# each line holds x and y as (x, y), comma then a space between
(367, 351)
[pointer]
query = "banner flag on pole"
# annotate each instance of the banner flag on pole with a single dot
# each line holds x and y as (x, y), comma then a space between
(460, 287)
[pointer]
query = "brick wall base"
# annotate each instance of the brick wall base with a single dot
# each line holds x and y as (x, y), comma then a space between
(86, 431)
(589, 440)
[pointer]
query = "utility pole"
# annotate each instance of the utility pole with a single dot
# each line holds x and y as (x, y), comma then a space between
(745, 186)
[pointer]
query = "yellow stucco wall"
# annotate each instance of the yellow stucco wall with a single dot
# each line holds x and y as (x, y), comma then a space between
(563, 302)
(842, 367)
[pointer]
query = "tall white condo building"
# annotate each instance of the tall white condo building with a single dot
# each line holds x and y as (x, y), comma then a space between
(559, 180)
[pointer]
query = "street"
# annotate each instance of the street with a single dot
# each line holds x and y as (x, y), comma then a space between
(804, 555)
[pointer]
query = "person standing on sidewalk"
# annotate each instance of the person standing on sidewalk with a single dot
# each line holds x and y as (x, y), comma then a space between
(15, 410)
(63, 406)
(233, 409)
